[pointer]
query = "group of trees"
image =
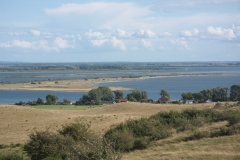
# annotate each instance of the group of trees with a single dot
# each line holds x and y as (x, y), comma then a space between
(214, 94)
(137, 95)
(96, 96)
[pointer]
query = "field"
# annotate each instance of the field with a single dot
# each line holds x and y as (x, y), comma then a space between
(16, 123)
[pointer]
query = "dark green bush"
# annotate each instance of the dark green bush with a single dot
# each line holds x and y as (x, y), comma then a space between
(122, 140)
(46, 144)
(74, 141)
(198, 135)
(12, 156)
(141, 143)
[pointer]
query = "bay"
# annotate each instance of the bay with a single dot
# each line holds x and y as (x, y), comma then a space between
(13, 96)
(177, 85)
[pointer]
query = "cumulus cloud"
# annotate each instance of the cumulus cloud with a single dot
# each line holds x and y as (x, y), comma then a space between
(145, 43)
(144, 34)
(99, 42)
(94, 35)
(165, 34)
(190, 33)
(18, 43)
(22, 44)
(61, 43)
(227, 33)
(35, 32)
(180, 42)
(118, 43)
(121, 34)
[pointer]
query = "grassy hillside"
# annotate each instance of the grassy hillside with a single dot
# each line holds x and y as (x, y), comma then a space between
(16, 123)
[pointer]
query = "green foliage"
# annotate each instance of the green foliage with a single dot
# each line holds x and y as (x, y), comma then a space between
(187, 96)
(74, 141)
(118, 94)
(164, 93)
(95, 96)
(11, 156)
(66, 101)
(51, 99)
(46, 144)
(235, 93)
(40, 101)
(77, 131)
(137, 95)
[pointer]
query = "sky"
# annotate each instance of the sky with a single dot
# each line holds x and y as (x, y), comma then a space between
(119, 30)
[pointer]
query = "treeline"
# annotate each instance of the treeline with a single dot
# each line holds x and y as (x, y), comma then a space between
(214, 94)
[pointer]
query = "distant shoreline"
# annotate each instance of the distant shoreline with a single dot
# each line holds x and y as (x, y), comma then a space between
(83, 85)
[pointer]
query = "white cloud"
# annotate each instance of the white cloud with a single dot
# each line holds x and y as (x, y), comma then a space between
(35, 32)
(94, 35)
(60, 43)
(144, 34)
(69, 36)
(165, 34)
(180, 42)
(22, 44)
(190, 33)
(99, 42)
(221, 32)
(145, 43)
(121, 34)
(90, 8)
(5, 45)
(118, 43)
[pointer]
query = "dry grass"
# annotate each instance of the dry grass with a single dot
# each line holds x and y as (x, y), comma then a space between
(16, 123)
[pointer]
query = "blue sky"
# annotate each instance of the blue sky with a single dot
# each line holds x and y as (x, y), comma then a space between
(108, 31)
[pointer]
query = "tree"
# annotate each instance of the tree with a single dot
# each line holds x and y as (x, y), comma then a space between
(235, 93)
(66, 101)
(85, 100)
(51, 99)
(207, 93)
(187, 96)
(197, 96)
(137, 95)
(164, 93)
(40, 101)
(118, 94)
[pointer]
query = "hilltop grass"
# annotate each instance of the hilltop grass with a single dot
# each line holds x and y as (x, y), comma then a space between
(65, 107)
(17, 122)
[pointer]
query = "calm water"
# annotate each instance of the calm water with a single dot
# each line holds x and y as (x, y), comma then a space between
(177, 85)
(12, 96)
(174, 85)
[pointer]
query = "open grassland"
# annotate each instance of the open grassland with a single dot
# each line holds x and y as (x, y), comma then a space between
(16, 123)
(64, 107)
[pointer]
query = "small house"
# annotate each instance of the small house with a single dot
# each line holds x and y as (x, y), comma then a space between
(163, 100)
(122, 100)
(208, 101)
(189, 102)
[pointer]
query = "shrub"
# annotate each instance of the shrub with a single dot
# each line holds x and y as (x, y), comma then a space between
(141, 143)
(74, 141)
(77, 131)
(12, 156)
(198, 135)
(46, 144)
(122, 140)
